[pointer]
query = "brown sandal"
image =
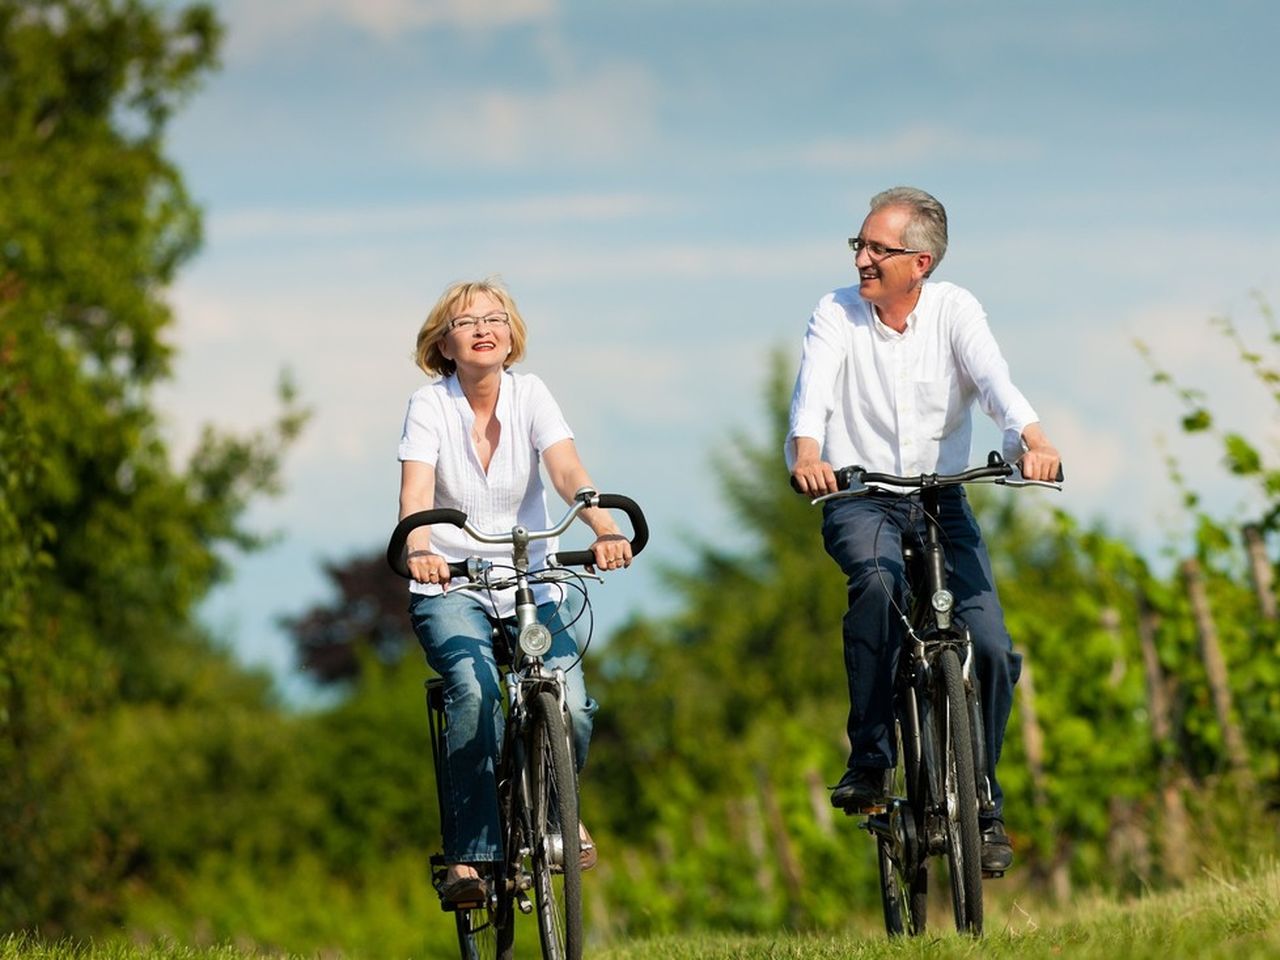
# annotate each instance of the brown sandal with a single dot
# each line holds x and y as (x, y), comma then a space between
(587, 855)
(464, 890)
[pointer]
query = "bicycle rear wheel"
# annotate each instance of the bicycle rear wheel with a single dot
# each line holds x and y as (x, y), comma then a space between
(486, 933)
(950, 716)
(904, 869)
(554, 840)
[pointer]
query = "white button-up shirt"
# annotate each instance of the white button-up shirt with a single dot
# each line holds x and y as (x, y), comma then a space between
(437, 430)
(901, 403)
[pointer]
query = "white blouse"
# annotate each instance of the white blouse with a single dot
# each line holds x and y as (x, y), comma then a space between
(437, 430)
(901, 402)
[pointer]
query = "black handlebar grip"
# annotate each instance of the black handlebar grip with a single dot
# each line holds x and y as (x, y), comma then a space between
(639, 531)
(423, 518)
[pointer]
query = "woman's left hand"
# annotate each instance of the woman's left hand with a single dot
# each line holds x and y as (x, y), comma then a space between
(612, 551)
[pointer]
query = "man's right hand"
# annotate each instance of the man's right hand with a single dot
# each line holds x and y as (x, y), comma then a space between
(813, 477)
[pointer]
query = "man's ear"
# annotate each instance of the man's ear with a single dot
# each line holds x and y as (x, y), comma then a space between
(924, 263)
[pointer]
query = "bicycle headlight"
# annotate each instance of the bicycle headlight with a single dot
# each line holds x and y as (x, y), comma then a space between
(943, 601)
(535, 640)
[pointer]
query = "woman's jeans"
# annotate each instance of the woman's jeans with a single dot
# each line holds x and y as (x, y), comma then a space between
(865, 535)
(456, 634)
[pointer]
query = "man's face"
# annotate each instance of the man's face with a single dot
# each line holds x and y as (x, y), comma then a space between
(884, 279)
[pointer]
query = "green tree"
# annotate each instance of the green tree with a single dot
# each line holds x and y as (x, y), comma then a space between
(105, 545)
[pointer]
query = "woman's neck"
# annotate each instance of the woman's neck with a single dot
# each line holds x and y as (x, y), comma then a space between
(481, 391)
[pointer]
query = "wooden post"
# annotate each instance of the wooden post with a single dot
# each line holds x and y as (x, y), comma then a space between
(820, 801)
(784, 850)
(1175, 851)
(1260, 568)
(1215, 667)
(1059, 872)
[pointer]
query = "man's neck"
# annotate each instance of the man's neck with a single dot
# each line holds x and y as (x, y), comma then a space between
(894, 313)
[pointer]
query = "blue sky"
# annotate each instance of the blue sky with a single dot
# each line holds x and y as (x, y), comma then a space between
(667, 188)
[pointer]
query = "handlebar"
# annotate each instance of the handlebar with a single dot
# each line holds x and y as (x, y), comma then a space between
(585, 498)
(853, 481)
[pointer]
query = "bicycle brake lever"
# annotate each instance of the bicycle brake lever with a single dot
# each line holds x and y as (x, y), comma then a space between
(856, 488)
(1020, 482)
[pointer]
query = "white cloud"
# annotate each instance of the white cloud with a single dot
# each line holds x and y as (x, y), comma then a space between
(607, 115)
(909, 145)
(257, 24)
(380, 219)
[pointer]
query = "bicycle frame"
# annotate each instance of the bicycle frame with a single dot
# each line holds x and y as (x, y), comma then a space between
(536, 781)
(935, 673)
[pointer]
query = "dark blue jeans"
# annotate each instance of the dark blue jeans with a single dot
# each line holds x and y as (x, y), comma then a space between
(455, 634)
(866, 534)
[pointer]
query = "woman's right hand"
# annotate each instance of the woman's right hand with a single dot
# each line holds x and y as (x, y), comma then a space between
(428, 567)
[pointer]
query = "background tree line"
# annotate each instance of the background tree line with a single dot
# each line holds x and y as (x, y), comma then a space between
(149, 783)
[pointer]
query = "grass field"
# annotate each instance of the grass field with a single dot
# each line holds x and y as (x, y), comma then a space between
(1233, 918)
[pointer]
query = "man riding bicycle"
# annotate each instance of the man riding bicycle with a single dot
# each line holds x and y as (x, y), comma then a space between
(888, 375)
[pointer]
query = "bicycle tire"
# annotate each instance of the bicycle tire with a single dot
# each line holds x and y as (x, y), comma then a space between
(960, 795)
(904, 868)
(554, 840)
(486, 933)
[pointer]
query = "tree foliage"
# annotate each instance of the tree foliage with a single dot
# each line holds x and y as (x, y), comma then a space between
(105, 546)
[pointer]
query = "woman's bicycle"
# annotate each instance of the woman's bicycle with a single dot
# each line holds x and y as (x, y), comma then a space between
(537, 783)
(940, 786)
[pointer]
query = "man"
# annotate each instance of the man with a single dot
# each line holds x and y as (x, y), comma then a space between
(888, 376)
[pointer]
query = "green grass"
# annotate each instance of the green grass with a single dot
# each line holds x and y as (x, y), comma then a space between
(1237, 918)
(1213, 918)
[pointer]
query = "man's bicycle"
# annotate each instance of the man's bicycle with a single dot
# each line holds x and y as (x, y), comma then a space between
(537, 782)
(940, 786)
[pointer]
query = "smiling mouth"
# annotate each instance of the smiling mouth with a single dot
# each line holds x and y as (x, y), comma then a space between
(868, 273)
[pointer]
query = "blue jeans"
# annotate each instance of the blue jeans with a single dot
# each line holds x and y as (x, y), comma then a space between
(456, 635)
(860, 533)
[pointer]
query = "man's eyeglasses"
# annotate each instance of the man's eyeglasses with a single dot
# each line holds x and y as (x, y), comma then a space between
(876, 249)
(466, 323)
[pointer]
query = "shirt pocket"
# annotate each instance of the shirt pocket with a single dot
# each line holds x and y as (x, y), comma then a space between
(937, 406)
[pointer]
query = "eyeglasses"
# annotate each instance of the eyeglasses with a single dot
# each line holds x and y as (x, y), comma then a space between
(466, 323)
(876, 249)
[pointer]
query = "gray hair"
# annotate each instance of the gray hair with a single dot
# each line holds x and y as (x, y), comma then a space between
(927, 228)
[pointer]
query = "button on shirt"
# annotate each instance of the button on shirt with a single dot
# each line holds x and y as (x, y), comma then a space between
(437, 430)
(901, 403)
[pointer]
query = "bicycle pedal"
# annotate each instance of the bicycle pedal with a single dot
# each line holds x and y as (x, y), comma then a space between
(875, 810)
(522, 901)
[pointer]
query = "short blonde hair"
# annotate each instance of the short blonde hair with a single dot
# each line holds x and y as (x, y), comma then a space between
(436, 327)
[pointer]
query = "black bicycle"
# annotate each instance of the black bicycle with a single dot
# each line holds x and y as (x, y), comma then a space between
(536, 778)
(940, 786)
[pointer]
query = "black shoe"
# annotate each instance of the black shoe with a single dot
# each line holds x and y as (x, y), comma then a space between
(861, 790)
(997, 854)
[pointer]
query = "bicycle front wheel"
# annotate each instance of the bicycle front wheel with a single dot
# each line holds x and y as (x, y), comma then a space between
(960, 796)
(554, 840)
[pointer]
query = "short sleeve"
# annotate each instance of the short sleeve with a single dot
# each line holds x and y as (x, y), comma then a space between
(420, 439)
(547, 425)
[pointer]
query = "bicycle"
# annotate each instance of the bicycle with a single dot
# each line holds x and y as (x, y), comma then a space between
(940, 787)
(536, 779)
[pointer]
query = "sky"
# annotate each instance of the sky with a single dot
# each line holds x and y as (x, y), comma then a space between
(667, 188)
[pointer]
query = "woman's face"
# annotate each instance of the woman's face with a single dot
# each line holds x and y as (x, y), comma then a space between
(479, 335)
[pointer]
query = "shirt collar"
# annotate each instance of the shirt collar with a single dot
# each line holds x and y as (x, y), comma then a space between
(505, 392)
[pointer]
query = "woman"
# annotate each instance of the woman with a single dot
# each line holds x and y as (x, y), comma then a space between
(472, 441)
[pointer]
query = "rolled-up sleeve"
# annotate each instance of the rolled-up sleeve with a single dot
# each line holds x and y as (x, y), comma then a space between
(821, 359)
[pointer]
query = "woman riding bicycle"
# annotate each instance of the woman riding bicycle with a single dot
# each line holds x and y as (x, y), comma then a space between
(473, 440)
